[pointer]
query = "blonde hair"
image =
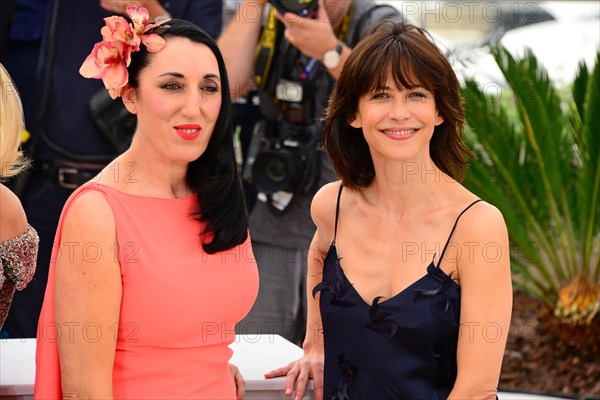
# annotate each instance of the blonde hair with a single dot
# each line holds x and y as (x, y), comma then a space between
(11, 127)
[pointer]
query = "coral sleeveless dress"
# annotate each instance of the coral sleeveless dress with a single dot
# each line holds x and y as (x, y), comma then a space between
(403, 348)
(179, 306)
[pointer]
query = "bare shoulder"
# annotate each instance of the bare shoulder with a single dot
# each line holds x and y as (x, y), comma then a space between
(482, 221)
(89, 216)
(323, 205)
(13, 221)
(482, 238)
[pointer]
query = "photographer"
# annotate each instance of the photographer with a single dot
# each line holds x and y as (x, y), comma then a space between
(292, 61)
(67, 147)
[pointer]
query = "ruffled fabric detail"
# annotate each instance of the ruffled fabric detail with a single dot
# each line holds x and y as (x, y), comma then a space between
(446, 281)
(347, 381)
(381, 321)
(446, 360)
(18, 258)
(339, 286)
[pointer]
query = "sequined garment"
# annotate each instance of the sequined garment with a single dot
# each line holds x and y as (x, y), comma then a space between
(17, 265)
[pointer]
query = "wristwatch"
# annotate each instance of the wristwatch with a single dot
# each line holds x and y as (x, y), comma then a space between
(332, 58)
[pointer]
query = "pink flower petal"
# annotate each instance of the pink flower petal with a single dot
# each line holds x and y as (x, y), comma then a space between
(139, 16)
(153, 42)
(95, 64)
(90, 68)
(115, 77)
(120, 30)
(112, 24)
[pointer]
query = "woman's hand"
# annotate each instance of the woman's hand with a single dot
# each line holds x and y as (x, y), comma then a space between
(238, 379)
(300, 371)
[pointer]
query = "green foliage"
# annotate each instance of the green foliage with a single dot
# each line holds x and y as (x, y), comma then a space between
(538, 162)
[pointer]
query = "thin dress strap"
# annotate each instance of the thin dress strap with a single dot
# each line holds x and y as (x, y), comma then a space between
(453, 228)
(337, 212)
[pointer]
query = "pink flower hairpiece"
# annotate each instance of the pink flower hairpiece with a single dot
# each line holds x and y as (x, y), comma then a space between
(110, 58)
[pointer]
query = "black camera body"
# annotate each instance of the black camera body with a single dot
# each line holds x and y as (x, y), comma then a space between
(284, 153)
(284, 157)
(299, 7)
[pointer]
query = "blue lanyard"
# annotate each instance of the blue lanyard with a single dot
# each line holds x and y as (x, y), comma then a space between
(308, 68)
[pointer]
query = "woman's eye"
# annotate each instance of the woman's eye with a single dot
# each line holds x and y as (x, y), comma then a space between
(210, 88)
(171, 86)
(380, 96)
(418, 95)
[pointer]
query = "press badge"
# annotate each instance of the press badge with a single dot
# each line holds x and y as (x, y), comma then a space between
(289, 91)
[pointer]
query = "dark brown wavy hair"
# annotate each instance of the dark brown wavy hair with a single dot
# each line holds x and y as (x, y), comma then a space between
(410, 54)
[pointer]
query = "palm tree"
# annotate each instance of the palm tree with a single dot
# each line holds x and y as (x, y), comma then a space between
(538, 162)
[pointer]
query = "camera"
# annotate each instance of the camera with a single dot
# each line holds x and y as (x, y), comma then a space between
(283, 157)
(299, 7)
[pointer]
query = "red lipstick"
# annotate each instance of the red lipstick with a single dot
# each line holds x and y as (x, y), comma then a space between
(189, 131)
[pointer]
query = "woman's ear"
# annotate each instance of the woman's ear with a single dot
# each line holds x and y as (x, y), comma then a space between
(129, 97)
(355, 122)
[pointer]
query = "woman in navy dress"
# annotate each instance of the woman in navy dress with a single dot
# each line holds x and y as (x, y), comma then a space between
(409, 276)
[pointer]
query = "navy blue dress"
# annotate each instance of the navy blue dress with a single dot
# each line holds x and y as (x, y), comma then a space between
(400, 348)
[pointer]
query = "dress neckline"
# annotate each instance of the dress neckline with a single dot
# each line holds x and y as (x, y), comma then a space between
(114, 189)
(432, 270)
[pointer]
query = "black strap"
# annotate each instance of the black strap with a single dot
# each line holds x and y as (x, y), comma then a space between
(337, 212)
(453, 228)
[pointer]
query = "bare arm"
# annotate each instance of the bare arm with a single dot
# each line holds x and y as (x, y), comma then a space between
(486, 303)
(155, 9)
(87, 298)
(238, 45)
(13, 221)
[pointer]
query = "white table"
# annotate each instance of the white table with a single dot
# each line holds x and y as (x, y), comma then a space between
(253, 354)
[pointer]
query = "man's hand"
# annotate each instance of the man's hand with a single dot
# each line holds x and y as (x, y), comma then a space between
(313, 37)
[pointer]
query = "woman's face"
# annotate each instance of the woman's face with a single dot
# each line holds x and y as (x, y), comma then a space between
(398, 123)
(178, 100)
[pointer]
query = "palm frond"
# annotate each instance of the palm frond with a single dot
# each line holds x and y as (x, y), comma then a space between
(538, 162)
(590, 154)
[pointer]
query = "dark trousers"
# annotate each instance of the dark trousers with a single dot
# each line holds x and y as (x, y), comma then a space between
(280, 307)
(43, 202)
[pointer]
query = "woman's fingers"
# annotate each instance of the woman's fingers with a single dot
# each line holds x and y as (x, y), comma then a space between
(297, 375)
(238, 379)
(278, 372)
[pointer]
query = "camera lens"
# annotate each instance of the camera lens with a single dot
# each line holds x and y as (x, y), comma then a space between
(299, 7)
(275, 171)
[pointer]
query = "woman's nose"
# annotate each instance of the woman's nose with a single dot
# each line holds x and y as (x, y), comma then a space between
(399, 109)
(192, 104)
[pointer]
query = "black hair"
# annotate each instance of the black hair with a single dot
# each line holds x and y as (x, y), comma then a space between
(214, 174)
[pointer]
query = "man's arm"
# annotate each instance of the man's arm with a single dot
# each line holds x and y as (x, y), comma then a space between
(238, 44)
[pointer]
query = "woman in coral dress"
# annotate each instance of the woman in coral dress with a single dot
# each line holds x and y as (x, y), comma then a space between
(152, 266)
